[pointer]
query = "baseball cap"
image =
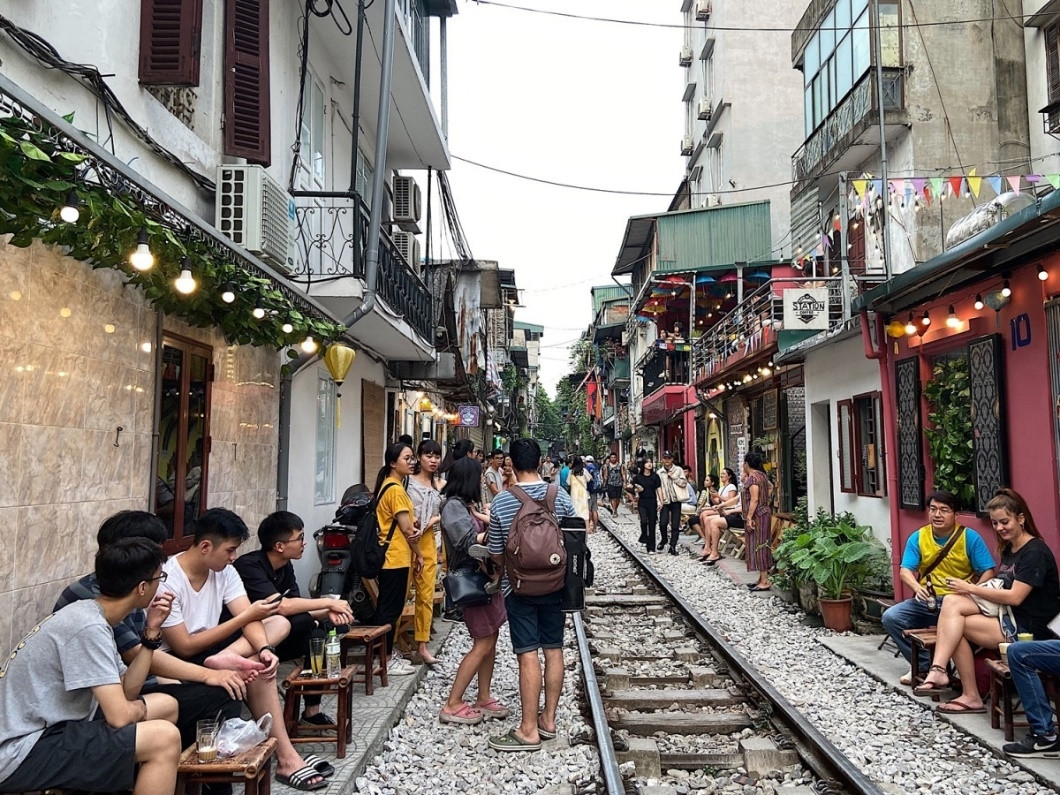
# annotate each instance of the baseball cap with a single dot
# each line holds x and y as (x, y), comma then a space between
(668, 454)
(590, 459)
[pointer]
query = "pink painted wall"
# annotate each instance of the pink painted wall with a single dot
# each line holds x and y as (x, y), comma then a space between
(1029, 414)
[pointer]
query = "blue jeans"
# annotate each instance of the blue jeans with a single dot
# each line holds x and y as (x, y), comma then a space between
(910, 614)
(1025, 659)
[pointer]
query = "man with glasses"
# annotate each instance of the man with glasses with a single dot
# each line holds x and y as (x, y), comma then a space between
(268, 572)
(933, 554)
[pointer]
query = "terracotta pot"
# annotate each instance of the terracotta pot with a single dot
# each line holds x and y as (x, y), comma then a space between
(836, 613)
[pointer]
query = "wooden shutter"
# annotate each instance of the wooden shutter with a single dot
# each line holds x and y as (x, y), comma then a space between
(845, 437)
(1052, 60)
(247, 119)
(170, 38)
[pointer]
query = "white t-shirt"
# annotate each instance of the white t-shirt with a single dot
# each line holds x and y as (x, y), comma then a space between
(200, 610)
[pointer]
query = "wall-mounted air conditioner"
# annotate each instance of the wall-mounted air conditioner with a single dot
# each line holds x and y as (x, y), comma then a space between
(408, 245)
(687, 145)
(712, 200)
(407, 204)
(686, 56)
(704, 8)
(254, 211)
(704, 108)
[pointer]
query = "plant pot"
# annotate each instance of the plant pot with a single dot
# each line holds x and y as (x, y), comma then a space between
(808, 597)
(836, 613)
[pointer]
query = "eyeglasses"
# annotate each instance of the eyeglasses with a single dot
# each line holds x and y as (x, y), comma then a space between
(161, 578)
(298, 539)
(409, 459)
(940, 509)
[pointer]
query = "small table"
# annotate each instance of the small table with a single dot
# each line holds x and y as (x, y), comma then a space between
(374, 641)
(297, 686)
(253, 768)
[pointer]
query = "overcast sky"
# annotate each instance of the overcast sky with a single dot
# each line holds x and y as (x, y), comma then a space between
(567, 100)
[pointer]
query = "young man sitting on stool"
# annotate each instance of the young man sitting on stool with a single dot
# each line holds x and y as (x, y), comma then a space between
(268, 572)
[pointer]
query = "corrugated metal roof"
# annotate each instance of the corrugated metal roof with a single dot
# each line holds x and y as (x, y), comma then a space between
(607, 292)
(533, 328)
(718, 236)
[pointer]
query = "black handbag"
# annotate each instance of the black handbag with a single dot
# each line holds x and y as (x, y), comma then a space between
(466, 588)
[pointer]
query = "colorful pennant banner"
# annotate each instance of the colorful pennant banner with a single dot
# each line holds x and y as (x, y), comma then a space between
(964, 185)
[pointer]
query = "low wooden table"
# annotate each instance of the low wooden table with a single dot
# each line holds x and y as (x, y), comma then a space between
(297, 686)
(374, 641)
(253, 768)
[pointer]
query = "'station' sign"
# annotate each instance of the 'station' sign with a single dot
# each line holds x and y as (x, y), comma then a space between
(806, 309)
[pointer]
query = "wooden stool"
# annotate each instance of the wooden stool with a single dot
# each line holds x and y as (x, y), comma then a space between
(374, 641)
(297, 686)
(406, 624)
(1003, 692)
(253, 768)
(922, 640)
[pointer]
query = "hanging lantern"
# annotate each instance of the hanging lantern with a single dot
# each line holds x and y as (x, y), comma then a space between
(339, 358)
(425, 404)
(895, 330)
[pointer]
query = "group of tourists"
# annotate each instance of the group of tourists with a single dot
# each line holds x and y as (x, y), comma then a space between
(975, 603)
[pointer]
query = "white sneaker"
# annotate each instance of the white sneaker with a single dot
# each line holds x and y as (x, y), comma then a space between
(400, 668)
(479, 551)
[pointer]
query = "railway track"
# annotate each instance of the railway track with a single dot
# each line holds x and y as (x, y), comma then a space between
(670, 700)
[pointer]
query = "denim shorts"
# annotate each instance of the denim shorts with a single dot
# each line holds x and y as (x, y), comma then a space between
(535, 622)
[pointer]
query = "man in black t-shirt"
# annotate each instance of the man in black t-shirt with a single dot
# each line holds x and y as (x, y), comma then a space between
(268, 571)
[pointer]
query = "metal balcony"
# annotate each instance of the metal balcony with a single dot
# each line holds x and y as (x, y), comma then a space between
(330, 246)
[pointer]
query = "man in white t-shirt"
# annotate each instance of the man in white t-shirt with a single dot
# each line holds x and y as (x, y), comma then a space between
(204, 583)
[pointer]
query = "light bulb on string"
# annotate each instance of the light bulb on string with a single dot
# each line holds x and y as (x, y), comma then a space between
(926, 319)
(309, 345)
(978, 302)
(287, 328)
(228, 295)
(69, 211)
(951, 318)
(185, 283)
(1006, 289)
(142, 259)
(259, 309)
(1043, 274)
(910, 326)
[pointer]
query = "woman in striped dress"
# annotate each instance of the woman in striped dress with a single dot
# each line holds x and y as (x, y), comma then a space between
(757, 520)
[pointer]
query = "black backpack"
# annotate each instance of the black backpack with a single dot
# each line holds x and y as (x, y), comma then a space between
(367, 555)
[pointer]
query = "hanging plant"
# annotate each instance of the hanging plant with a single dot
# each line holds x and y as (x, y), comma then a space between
(38, 177)
(949, 436)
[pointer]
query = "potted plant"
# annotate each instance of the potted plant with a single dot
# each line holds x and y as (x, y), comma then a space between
(835, 552)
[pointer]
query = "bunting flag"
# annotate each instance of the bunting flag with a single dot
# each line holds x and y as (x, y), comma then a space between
(1014, 183)
(974, 183)
(908, 190)
(955, 185)
(1054, 180)
(918, 184)
(995, 183)
(859, 187)
(937, 186)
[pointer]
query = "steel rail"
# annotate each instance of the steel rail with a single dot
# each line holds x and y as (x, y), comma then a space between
(827, 761)
(608, 758)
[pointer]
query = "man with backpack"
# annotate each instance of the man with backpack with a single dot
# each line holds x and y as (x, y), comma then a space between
(526, 541)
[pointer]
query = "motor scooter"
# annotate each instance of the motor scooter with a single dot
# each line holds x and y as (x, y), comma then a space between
(336, 578)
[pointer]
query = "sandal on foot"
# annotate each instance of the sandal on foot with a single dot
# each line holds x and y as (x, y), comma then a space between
(512, 742)
(931, 688)
(320, 764)
(300, 779)
(956, 707)
(545, 733)
(492, 709)
(465, 716)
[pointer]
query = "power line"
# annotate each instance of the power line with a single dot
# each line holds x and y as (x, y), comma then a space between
(741, 29)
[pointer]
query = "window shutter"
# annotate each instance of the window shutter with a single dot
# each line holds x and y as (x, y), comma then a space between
(907, 418)
(1052, 60)
(247, 118)
(847, 463)
(170, 36)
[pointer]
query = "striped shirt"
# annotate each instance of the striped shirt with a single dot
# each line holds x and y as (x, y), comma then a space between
(504, 508)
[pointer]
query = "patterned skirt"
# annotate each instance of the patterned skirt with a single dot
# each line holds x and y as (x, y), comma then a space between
(760, 542)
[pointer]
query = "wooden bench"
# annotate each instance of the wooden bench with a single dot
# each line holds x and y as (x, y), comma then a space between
(296, 686)
(373, 639)
(252, 768)
(1003, 694)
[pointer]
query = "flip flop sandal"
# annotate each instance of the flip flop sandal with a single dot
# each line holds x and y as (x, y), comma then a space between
(493, 709)
(300, 779)
(465, 716)
(759, 588)
(319, 764)
(512, 742)
(960, 708)
(545, 733)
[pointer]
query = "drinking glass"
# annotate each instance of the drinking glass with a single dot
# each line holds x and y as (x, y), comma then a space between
(206, 740)
(316, 656)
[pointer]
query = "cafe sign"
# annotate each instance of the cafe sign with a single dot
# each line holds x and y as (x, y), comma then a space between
(806, 309)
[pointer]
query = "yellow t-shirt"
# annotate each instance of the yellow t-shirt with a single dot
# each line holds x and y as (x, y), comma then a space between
(395, 501)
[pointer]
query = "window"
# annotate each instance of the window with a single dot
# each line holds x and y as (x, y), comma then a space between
(182, 466)
(861, 445)
(170, 36)
(247, 117)
(324, 490)
(364, 176)
(311, 138)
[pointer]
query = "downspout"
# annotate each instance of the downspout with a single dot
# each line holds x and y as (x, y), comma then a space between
(889, 433)
(371, 266)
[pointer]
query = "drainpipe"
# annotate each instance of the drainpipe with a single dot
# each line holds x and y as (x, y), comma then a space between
(889, 433)
(355, 119)
(371, 266)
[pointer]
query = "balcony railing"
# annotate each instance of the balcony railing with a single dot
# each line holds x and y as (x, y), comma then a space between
(660, 368)
(331, 246)
(834, 133)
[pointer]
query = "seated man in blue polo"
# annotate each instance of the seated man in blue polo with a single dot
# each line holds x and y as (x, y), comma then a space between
(933, 554)
(268, 572)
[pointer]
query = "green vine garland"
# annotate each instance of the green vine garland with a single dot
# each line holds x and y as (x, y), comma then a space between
(36, 176)
(950, 437)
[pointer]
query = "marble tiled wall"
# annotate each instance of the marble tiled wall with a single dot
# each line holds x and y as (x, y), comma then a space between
(77, 362)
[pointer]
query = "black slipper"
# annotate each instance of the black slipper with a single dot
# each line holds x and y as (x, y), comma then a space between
(755, 588)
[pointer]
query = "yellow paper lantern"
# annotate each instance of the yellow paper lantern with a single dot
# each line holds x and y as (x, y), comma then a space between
(425, 404)
(339, 359)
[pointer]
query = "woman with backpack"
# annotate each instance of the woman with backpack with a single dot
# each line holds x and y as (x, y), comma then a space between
(462, 529)
(426, 500)
(579, 488)
(394, 513)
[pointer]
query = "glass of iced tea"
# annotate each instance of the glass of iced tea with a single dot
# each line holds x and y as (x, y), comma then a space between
(206, 740)
(316, 656)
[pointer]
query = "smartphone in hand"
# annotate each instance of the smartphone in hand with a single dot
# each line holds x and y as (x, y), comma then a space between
(279, 596)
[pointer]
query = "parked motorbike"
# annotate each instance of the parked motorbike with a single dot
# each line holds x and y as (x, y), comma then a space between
(336, 578)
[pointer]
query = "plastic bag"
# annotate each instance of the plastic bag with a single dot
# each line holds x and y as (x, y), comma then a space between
(237, 735)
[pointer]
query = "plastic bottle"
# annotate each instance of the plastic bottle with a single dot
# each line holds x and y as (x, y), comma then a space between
(332, 656)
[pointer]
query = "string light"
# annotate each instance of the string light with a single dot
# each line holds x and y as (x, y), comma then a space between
(951, 318)
(259, 309)
(228, 295)
(978, 302)
(69, 212)
(926, 319)
(287, 328)
(309, 345)
(142, 259)
(185, 283)
(1006, 290)
(1043, 274)
(910, 326)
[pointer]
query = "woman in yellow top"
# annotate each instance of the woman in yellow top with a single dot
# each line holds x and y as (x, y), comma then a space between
(403, 555)
(427, 502)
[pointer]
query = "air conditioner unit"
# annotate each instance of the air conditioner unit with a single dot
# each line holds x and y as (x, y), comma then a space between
(713, 200)
(408, 245)
(703, 10)
(254, 211)
(407, 204)
(687, 145)
(704, 108)
(686, 56)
